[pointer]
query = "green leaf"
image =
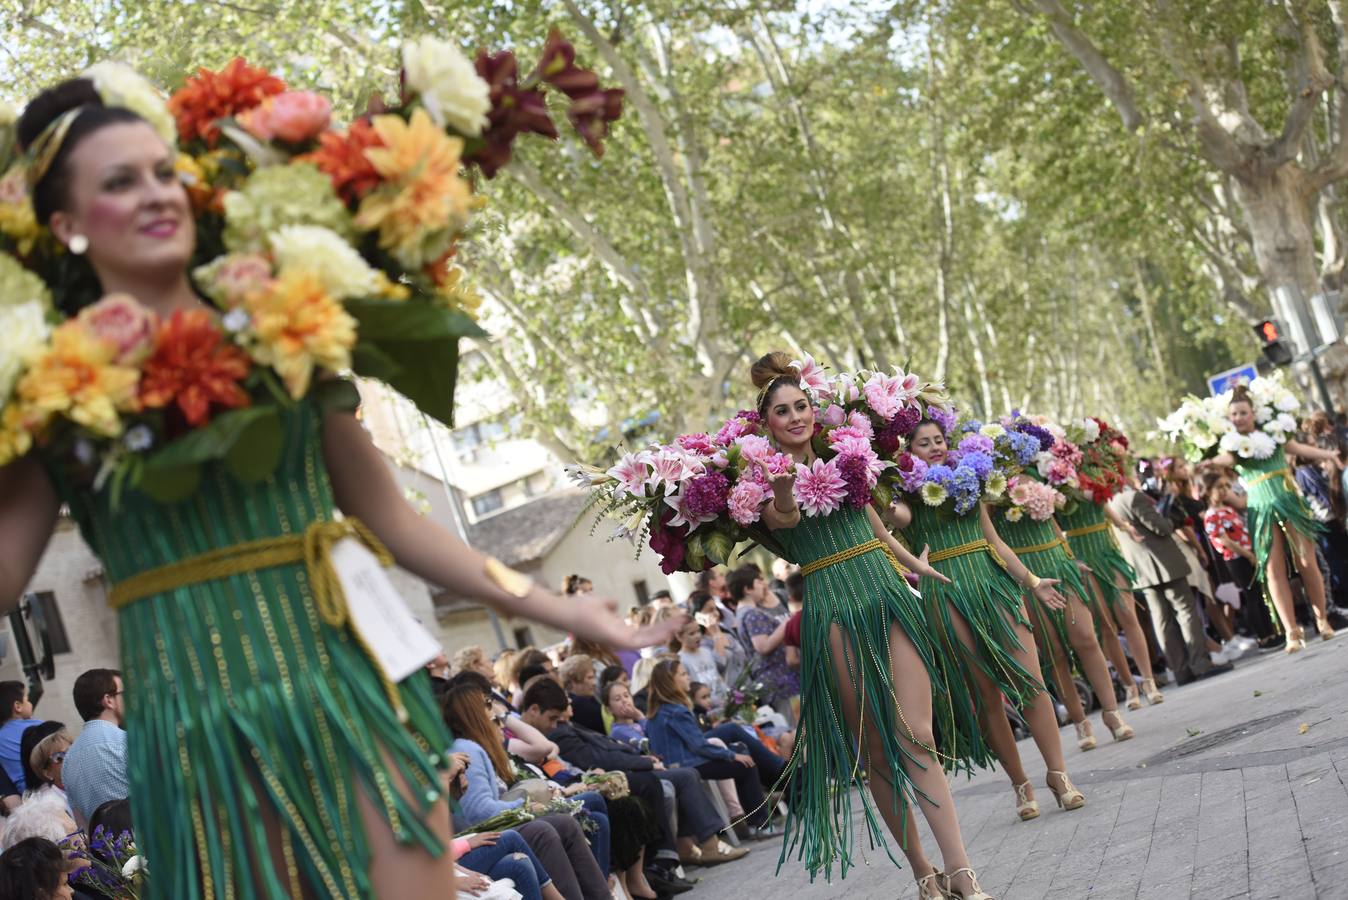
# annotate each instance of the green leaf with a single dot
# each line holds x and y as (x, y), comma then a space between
(170, 484)
(211, 442)
(370, 361)
(719, 547)
(257, 451)
(429, 371)
(383, 320)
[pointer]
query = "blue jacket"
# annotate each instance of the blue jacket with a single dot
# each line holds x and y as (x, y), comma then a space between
(482, 799)
(677, 740)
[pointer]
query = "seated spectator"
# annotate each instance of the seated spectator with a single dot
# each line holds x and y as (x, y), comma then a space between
(699, 660)
(522, 740)
(578, 678)
(676, 739)
(578, 874)
(43, 815)
(759, 615)
(46, 760)
(34, 868)
(731, 657)
(629, 725)
(504, 671)
(16, 717)
(602, 657)
(495, 856)
(95, 765)
(472, 659)
(32, 736)
(529, 663)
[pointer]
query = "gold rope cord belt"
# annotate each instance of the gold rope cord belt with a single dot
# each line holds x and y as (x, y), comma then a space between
(1087, 529)
(965, 549)
(313, 548)
(849, 553)
(1260, 479)
(1049, 545)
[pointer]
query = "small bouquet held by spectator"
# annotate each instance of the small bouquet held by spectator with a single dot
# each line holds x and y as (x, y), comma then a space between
(115, 868)
(743, 699)
(521, 815)
(610, 785)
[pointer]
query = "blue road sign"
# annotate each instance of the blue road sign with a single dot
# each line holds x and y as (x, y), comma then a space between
(1224, 381)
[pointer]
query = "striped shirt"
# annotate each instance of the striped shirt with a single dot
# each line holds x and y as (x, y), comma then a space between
(95, 768)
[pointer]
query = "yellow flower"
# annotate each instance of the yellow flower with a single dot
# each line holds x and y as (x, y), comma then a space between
(76, 376)
(457, 293)
(422, 201)
(300, 327)
(17, 221)
(15, 438)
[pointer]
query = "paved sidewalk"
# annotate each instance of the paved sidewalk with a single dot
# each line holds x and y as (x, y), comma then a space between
(1233, 788)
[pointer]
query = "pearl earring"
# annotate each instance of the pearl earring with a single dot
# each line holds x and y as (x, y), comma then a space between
(78, 244)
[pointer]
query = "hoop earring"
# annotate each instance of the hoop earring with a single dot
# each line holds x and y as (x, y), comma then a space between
(78, 244)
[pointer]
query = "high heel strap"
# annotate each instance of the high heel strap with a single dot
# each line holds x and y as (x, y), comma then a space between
(1122, 731)
(929, 887)
(1026, 808)
(978, 892)
(1069, 797)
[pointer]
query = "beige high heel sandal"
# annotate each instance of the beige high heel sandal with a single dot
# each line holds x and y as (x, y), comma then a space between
(1154, 695)
(1296, 640)
(978, 892)
(1026, 808)
(1069, 797)
(1131, 698)
(1123, 731)
(1085, 736)
(929, 887)
(1326, 630)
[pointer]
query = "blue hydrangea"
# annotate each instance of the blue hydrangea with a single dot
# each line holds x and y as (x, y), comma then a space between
(942, 475)
(979, 461)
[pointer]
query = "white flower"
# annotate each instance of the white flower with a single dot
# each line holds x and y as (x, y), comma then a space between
(138, 439)
(23, 331)
(133, 865)
(447, 84)
(1014, 514)
(1043, 462)
(1261, 446)
(236, 320)
(120, 85)
(1287, 403)
(1090, 431)
(992, 430)
(340, 269)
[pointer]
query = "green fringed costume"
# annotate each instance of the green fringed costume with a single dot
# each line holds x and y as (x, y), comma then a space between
(981, 591)
(242, 702)
(863, 592)
(1272, 503)
(1047, 556)
(1092, 541)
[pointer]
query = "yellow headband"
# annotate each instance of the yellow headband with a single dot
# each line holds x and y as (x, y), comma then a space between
(48, 144)
(767, 389)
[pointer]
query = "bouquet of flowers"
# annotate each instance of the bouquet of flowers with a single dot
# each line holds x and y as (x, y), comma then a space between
(612, 785)
(112, 866)
(1202, 426)
(1103, 468)
(978, 467)
(324, 250)
(699, 496)
(514, 818)
(744, 698)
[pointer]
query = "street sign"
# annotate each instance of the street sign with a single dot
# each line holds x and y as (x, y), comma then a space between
(1224, 381)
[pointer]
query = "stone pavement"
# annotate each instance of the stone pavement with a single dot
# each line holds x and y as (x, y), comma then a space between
(1233, 788)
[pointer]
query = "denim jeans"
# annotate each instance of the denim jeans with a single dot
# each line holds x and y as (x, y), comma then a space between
(510, 857)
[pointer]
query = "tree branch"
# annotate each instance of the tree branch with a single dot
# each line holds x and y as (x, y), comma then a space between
(1335, 164)
(1109, 79)
(1313, 80)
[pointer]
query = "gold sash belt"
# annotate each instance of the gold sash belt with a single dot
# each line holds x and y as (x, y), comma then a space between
(1087, 529)
(843, 556)
(1261, 478)
(980, 545)
(1049, 545)
(313, 548)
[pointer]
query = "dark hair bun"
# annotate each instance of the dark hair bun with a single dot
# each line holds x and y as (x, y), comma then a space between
(49, 106)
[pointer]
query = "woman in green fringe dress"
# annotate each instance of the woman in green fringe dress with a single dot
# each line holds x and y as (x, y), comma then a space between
(981, 619)
(1091, 540)
(867, 673)
(1280, 523)
(268, 756)
(1064, 633)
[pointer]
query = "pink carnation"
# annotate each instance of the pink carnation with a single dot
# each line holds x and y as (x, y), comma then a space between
(746, 501)
(820, 488)
(753, 446)
(123, 322)
(736, 427)
(294, 117)
(847, 432)
(882, 395)
(862, 422)
(850, 444)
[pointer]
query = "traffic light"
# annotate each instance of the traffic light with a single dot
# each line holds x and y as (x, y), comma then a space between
(1276, 350)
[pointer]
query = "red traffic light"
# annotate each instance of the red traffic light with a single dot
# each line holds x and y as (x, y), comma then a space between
(1268, 331)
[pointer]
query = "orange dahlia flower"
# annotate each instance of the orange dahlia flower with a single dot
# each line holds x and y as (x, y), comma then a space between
(424, 201)
(194, 368)
(300, 327)
(209, 96)
(77, 377)
(342, 158)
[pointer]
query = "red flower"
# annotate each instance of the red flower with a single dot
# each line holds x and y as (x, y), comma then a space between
(515, 110)
(193, 369)
(342, 158)
(209, 96)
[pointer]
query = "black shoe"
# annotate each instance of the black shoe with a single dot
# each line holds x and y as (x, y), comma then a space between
(1182, 680)
(666, 882)
(1220, 669)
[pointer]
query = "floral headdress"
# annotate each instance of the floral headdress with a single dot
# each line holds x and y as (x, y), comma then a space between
(1203, 427)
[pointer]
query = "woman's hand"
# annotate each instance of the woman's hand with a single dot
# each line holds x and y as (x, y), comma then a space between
(485, 839)
(472, 883)
(1046, 593)
(572, 790)
(927, 570)
(457, 763)
(782, 483)
(744, 760)
(596, 618)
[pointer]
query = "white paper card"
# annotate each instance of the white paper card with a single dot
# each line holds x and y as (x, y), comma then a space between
(397, 640)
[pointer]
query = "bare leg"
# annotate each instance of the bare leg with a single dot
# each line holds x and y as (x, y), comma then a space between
(1109, 632)
(1308, 564)
(1038, 712)
(1125, 614)
(912, 692)
(1280, 589)
(1062, 679)
(1081, 632)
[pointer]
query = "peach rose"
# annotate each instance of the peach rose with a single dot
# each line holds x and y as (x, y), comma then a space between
(125, 323)
(228, 279)
(293, 117)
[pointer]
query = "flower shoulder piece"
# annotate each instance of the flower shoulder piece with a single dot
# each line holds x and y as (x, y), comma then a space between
(1203, 427)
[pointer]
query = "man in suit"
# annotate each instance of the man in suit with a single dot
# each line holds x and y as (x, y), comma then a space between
(1162, 571)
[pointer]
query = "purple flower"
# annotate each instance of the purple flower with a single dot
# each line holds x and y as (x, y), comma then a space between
(944, 418)
(705, 497)
(975, 443)
(891, 435)
(913, 470)
(980, 462)
(855, 471)
(1039, 433)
